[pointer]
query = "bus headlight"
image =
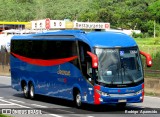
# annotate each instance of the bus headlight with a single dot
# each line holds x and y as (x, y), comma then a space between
(139, 92)
(102, 93)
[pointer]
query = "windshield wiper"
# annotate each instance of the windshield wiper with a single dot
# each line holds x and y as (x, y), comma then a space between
(123, 66)
(117, 72)
(130, 76)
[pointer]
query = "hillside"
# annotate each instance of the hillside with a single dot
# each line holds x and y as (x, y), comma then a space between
(125, 14)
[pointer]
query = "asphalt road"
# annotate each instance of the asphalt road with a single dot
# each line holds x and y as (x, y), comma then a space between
(43, 106)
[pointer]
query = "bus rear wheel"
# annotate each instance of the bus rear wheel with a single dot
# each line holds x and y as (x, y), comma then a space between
(31, 91)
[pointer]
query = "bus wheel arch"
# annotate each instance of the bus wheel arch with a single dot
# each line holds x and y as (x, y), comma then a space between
(31, 90)
(25, 88)
(77, 97)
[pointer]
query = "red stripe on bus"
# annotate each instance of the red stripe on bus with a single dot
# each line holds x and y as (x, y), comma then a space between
(142, 92)
(96, 95)
(42, 62)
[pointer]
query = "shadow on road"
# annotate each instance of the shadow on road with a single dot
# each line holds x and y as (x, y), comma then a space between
(86, 108)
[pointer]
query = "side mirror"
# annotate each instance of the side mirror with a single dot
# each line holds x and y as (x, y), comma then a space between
(148, 58)
(94, 59)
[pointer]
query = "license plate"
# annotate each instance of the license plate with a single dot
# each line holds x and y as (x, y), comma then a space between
(122, 100)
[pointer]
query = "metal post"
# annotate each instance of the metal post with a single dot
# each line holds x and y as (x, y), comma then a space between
(154, 28)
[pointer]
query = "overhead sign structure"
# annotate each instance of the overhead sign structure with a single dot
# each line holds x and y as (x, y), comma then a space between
(14, 23)
(39, 24)
(28, 25)
(91, 25)
(62, 24)
(69, 25)
(57, 24)
(47, 24)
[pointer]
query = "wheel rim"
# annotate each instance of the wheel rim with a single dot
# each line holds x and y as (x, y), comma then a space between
(78, 100)
(31, 91)
(25, 89)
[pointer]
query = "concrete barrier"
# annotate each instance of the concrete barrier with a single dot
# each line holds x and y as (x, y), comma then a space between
(152, 86)
(4, 70)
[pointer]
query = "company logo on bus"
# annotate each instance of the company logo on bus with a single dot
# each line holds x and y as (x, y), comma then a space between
(114, 91)
(63, 72)
(130, 91)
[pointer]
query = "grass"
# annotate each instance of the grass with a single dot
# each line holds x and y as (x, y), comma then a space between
(2, 115)
(148, 41)
(151, 46)
(150, 94)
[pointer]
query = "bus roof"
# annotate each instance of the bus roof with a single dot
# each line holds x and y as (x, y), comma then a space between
(111, 39)
(94, 39)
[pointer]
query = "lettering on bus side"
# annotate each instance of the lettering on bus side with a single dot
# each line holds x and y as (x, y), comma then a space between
(64, 72)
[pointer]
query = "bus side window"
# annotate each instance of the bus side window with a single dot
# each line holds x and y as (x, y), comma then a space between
(82, 53)
(89, 69)
(73, 52)
(85, 60)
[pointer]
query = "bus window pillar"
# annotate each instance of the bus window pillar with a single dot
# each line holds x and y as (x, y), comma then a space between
(93, 65)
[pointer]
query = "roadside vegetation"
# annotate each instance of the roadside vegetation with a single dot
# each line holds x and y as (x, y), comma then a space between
(2, 115)
(151, 46)
(121, 14)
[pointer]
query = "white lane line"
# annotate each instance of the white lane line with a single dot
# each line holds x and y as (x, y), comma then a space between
(65, 111)
(55, 115)
(39, 105)
(21, 105)
(16, 101)
(6, 104)
(5, 101)
(81, 115)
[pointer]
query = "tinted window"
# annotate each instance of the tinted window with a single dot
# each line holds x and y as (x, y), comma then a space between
(40, 49)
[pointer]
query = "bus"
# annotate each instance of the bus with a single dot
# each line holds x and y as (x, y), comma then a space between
(94, 67)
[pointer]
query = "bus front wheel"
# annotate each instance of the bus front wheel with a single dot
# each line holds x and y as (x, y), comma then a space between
(77, 99)
(31, 91)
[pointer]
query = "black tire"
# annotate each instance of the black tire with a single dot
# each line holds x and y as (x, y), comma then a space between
(121, 105)
(25, 91)
(78, 99)
(31, 91)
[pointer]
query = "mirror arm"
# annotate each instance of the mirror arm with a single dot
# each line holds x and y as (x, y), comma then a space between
(148, 58)
(94, 59)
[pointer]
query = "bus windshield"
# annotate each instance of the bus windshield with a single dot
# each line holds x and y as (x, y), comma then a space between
(119, 66)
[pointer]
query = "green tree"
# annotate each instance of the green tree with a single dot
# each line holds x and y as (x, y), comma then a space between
(154, 9)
